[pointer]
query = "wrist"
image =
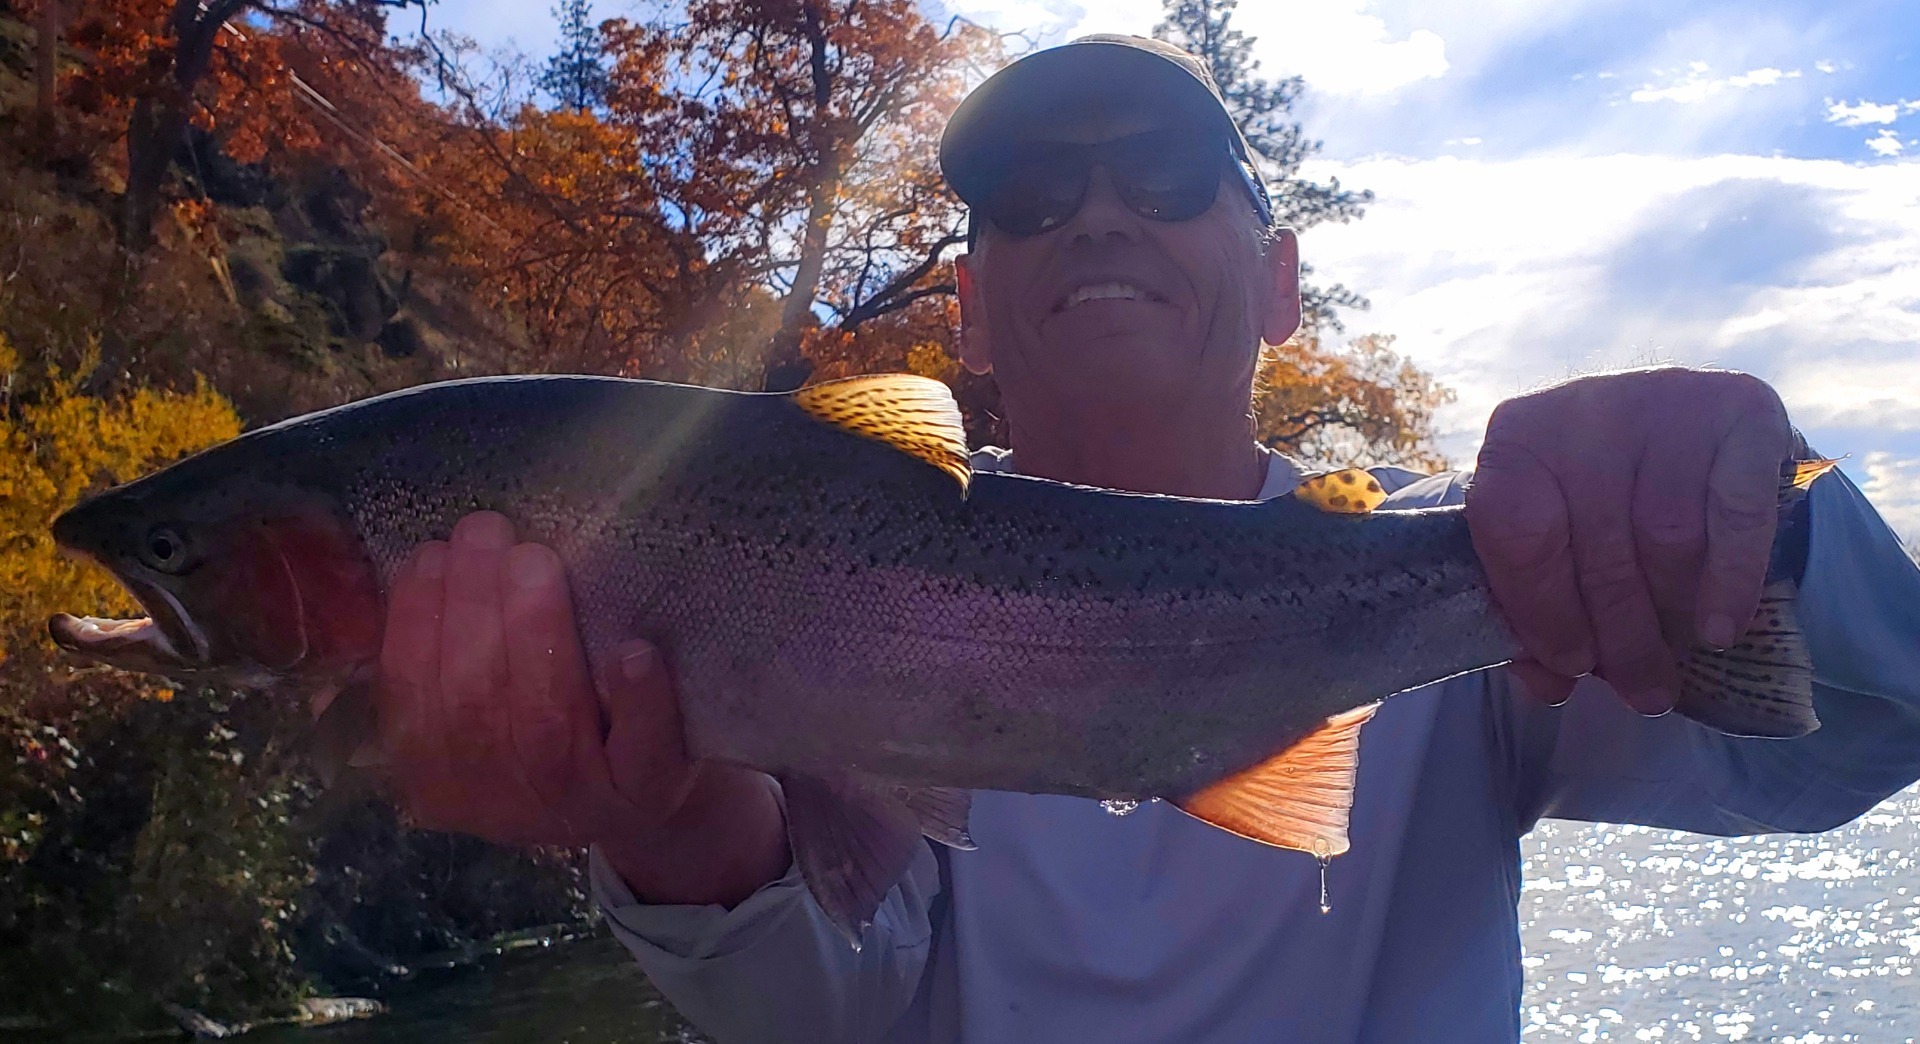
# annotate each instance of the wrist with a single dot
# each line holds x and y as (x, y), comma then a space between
(726, 842)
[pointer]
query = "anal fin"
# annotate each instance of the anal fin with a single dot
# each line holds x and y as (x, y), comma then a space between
(1763, 685)
(853, 839)
(1297, 799)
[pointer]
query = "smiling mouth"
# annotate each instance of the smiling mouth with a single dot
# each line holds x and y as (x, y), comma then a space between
(1109, 291)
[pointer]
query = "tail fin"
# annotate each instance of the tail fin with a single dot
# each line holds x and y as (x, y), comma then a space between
(1763, 685)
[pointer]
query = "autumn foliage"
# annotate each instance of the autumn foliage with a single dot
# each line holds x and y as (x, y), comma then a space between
(218, 213)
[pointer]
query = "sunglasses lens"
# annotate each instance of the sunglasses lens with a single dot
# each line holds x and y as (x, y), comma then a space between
(1168, 180)
(1163, 175)
(1038, 195)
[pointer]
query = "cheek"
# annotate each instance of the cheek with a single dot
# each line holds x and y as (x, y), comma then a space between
(300, 591)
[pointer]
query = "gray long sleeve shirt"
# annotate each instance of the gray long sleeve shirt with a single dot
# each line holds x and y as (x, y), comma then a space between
(1069, 923)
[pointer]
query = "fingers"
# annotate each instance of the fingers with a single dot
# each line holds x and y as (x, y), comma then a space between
(1633, 656)
(1540, 683)
(645, 747)
(1670, 531)
(407, 688)
(555, 719)
(1741, 514)
(1521, 531)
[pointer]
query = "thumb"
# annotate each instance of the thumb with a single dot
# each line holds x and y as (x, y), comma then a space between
(645, 742)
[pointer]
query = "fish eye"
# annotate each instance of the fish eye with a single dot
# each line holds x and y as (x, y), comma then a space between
(164, 549)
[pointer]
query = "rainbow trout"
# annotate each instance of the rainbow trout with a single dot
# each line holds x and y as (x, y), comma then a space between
(846, 607)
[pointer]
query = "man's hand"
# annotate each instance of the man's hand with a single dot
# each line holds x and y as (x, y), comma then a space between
(1624, 516)
(490, 726)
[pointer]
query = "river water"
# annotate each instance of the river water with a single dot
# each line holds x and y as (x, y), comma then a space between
(1631, 934)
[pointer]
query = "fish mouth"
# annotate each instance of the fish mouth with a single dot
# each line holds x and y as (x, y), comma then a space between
(166, 638)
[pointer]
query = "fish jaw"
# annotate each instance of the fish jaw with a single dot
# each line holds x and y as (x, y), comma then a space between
(285, 601)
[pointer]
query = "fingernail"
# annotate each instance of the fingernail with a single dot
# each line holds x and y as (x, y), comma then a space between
(1718, 631)
(638, 660)
(483, 531)
(432, 561)
(530, 566)
(1657, 701)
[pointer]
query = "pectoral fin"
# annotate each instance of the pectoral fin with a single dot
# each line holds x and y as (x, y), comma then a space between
(1763, 685)
(853, 839)
(1299, 798)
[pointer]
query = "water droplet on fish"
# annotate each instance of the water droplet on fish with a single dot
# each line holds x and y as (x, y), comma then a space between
(1120, 808)
(1323, 855)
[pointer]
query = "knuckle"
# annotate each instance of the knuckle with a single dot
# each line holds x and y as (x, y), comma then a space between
(1741, 514)
(1669, 524)
(1610, 576)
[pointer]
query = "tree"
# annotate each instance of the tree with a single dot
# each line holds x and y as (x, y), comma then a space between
(1361, 406)
(576, 76)
(1264, 110)
(160, 65)
(768, 147)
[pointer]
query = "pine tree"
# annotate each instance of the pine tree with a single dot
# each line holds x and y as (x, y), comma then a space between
(576, 75)
(1264, 110)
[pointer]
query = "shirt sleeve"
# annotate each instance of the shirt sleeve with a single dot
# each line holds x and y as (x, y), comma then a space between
(774, 968)
(1594, 759)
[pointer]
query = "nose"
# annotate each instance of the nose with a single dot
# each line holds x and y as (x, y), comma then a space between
(1102, 215)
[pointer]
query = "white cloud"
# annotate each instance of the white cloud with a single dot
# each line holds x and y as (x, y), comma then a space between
(1886, 143)
(1893, 485)
(1696, 86)
(1339, 46)
(1861, 113)
(1503, 275)
(1824, 66)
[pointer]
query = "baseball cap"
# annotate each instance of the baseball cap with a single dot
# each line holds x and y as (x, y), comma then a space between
(1050, 85)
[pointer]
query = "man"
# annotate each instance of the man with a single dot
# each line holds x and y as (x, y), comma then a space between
(1121, 279)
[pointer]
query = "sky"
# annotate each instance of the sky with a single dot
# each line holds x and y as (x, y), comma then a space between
(1566, 186)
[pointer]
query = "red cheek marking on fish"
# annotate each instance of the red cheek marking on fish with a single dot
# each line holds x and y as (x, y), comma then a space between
(300, 591)
(257, 600)
(340, 599)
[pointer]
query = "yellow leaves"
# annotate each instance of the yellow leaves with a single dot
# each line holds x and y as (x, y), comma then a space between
(932, 360)
(1359, 405)
(55, 445)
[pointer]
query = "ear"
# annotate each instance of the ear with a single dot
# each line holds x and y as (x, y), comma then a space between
(975, 352)
(1283, 275)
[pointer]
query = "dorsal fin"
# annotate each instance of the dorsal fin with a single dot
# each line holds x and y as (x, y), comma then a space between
(913, 414)
(1349, 491)
(1799, 474)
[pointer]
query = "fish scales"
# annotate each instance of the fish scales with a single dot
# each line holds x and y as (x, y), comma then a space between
(1025, 637)
(845, 608)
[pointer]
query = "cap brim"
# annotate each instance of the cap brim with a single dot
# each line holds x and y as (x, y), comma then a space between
(1060, 85)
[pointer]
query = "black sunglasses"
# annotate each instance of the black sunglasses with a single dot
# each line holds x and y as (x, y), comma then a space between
(1165, 175)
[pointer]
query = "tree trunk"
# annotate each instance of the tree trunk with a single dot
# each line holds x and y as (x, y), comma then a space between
(784, 361)
(46, 70)
(158, 123)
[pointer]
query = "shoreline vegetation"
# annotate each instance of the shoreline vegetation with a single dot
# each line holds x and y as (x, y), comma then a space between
(217, 215)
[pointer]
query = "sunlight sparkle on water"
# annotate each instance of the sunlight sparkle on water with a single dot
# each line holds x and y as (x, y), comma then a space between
(1635, 934)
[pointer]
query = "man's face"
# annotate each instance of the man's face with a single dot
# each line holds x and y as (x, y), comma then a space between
(1113, 311)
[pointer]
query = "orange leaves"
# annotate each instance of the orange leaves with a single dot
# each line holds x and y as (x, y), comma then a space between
(1359, 405)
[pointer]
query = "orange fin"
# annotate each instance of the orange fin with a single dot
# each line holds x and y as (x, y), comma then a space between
(1349, 491)
(913, 414)
(1799, 474)
(1761, 687)
(1297, 799)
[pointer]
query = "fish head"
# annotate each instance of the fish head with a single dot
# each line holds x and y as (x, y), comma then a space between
(246, 580)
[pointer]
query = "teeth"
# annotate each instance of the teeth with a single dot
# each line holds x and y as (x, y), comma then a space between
(1104, 292)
